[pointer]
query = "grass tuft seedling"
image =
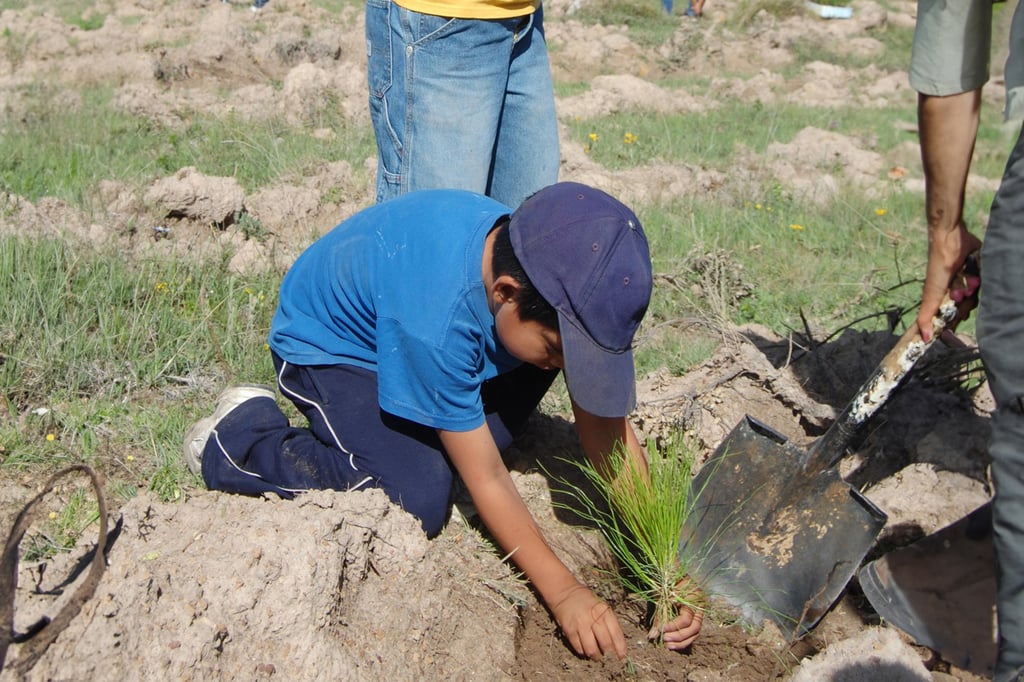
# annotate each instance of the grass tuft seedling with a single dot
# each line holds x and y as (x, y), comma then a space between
(641, 512)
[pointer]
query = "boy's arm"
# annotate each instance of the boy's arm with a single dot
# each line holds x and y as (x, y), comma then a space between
(586, 621)
(599, 436)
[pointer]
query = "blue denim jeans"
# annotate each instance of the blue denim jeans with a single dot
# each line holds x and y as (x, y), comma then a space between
(460, 103)
(1000, 339)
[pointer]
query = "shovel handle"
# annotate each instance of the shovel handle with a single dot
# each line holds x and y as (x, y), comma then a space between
(897, 363)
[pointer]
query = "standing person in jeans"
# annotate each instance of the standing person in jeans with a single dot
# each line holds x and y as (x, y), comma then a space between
(461, 97)
(949, 66)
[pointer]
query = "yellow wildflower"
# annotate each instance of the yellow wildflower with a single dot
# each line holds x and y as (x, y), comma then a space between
(796, 226)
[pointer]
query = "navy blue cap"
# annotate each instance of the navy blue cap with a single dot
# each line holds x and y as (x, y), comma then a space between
(587, 255)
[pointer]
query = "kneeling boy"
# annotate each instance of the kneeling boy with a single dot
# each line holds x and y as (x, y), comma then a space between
(418, 336)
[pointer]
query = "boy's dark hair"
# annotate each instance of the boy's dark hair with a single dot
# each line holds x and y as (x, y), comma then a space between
(532, 306)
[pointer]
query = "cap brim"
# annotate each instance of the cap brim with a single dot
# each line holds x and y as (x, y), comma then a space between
(601, 382)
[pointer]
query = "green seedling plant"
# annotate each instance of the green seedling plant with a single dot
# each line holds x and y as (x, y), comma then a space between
(640, 512)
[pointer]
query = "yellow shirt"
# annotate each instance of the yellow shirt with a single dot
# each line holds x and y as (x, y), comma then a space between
(472, 9)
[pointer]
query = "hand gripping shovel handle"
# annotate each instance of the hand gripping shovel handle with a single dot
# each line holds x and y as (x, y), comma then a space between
(897, 363)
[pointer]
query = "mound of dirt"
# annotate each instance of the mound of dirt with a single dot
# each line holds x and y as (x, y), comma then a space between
(331, 586)
(346, 586)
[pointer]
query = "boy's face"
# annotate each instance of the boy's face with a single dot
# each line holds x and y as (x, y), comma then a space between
(528, 341)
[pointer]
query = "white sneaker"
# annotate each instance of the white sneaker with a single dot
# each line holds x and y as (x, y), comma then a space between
(195, 439)
(463, 509)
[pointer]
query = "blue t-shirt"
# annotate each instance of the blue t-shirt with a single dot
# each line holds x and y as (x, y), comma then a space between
(397, 289)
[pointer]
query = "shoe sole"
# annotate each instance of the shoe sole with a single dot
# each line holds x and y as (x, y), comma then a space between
(195, 443)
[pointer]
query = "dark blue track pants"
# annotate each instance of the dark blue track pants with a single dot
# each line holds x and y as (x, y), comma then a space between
(350, 443)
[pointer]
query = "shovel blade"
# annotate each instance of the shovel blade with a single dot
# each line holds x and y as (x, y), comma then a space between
(767, 538)
(941, 590)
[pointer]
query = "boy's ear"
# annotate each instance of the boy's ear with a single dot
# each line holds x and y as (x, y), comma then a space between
(505, 289)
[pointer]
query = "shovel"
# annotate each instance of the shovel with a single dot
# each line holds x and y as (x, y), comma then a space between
(941, 590)
(775, 530)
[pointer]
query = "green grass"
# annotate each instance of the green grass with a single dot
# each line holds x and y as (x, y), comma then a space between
(745, 11)
(87, 15)
(90, 322)
(894, 52)
(646, 21)
(97, 354)
(778, 259)
(714, 138)
(75, 511)
(337, 6)
(65, 151)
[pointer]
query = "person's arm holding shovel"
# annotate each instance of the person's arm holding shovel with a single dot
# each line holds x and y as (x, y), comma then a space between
(600, 436)
(947, 128)
(948, 68)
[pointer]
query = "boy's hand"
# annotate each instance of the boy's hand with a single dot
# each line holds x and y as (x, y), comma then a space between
(586, 621)
(589, 624)
(681, 631)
